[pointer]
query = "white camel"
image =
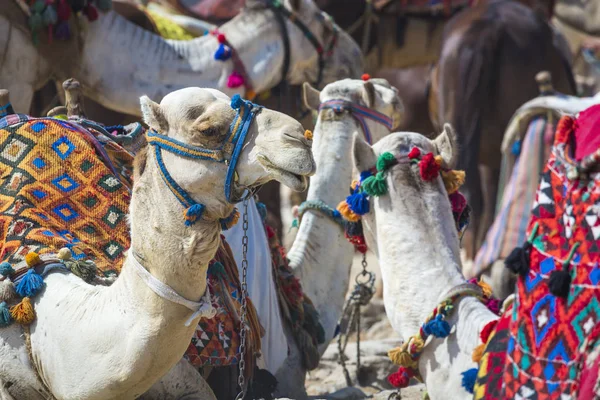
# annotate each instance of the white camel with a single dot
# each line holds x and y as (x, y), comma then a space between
(321, 257)
(414, 233)
(130, 335)
(117, 62)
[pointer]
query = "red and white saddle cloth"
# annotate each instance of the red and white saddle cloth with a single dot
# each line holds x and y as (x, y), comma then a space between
(551, 334)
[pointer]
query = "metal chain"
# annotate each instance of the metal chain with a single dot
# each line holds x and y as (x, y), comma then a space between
(244, 294)
(361, 296)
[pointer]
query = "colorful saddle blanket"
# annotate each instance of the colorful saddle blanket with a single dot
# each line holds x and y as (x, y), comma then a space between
(557, 302)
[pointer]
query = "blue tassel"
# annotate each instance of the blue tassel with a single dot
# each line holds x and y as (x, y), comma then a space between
(516, 148)
(223, 53)
(365, 174)
(30, 284)
(468, 379)
(358, 203)
(236, 101)
(193, 214)
(6, 269)
(5, 318)
(262, 210)
(437, 327)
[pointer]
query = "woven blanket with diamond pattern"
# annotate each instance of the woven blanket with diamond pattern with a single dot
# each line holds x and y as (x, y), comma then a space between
(59, 188)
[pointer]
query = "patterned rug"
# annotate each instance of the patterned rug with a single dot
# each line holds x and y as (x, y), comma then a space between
(549, 326)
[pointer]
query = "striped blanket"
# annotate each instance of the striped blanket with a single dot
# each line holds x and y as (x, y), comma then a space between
(521, 168)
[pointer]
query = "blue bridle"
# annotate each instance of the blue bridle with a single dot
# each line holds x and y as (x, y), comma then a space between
(227, 153)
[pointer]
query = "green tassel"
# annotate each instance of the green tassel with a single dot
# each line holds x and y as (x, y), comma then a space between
(295, 223)
(385, 161)
(5, 318)
(85, 269)
(375, 185)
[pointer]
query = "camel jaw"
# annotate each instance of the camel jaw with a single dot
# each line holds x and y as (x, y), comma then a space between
(294, 181)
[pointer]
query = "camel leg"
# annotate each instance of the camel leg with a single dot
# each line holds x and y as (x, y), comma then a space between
(182, 382)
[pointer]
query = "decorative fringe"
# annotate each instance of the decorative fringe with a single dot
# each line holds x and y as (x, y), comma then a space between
(235, 80)
(193, 214)
(385, 160)
(453, 180)
(223, 52)
(401, 378)
(478, 353)
(308, 135)
(5, 317)
(231, 220)
(399, 356)
(347, 213)
(32, 259)
(437, 327)
(85, 269)
(30, 284)
(375, 185)
(7, 290)
(23, 312)
(6, 269)
(358, 203)
(468, 379)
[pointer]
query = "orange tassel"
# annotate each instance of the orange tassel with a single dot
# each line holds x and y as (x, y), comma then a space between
(23, 312)
(347, 213)
(478, 353)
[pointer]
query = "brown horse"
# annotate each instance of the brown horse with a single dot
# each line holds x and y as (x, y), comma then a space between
(489, 59)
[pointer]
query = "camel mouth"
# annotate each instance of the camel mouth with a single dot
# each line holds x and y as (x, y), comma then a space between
(290, 179)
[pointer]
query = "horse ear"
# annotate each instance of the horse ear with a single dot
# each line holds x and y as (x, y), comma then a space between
(363, 154)
(153, 115)
(369, 94)
(311, 96)
(446, 146)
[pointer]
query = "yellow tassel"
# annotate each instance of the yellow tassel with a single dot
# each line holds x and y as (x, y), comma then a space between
(233, 219)
(438, 160)
(453, 180)
(347, 213)
(399, 356)
(32, 259)
(354, 184)
(478, 353)
(417, 344)
(487, 289)
(308, 135)
(23, 312)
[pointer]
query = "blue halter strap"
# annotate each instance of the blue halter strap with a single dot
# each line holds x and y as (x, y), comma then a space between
(228, 153)
(359, 112)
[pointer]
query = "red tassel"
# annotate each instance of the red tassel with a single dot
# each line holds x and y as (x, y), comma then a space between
(487, 331)
(221, 38)
(400, 378)
(365, 77)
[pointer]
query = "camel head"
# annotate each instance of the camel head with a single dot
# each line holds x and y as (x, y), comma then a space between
(412, 190)
(274, 148)
(342, 57)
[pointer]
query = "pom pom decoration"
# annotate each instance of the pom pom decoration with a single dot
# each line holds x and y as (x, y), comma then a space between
(30, 284)
(518, 260)
(231, 220)
(6, 269)
(399, 356)
(478, 353)
(458, 202)
(354, 229)
(221, 38)
(453, 180)
(85, 269)
(236, 101)
(32, 259)
(7, 290)
(223, 53)
(23, 312)
(493, 305)
(5, 317)
(414, 153)
(64, 254)
(358, 203)
(365, 77)
(347, 213)
(485, 288)
(193, 214)
(385, 161)
(428, 167)
(235, 80)
(308, 135)
(468, 379)
(559, 283)
(437, 327)
(487, 330)
(375, 185)
(401, 378)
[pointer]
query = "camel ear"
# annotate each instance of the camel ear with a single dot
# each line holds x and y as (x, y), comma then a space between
(446, 146)
(363, 154)
(369, 94)
(311, 96)
(153, 115)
